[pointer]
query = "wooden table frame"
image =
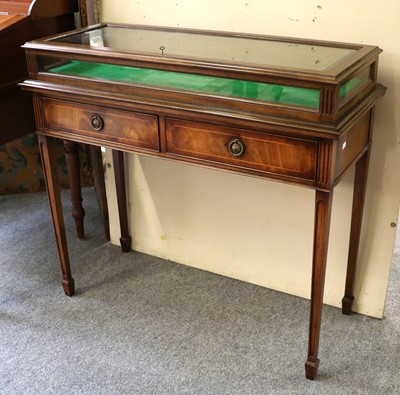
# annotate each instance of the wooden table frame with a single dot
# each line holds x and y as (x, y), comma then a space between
(312, 150)
(323, 205)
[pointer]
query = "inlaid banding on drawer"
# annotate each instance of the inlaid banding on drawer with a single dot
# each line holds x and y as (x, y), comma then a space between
(135, 129)
(263, 152)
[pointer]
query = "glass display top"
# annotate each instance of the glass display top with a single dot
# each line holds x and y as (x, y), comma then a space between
(191, 82)
(212, 47)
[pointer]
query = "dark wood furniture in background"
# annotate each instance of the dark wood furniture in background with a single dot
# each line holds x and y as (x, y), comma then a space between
(22, 21)
(296, 111)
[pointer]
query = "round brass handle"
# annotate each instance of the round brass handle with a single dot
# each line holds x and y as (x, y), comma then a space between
(236, 147)
(97, 122)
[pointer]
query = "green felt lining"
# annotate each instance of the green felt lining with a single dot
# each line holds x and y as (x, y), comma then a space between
(193, 82)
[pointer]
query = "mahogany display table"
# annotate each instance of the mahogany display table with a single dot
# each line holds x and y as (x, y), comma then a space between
(296, 111)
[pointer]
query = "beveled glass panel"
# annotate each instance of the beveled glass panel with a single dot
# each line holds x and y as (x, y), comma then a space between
(210, 47)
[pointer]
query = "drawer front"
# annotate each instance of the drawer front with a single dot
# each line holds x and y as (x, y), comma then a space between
(101, 123)
(352, 143)
(242, 149)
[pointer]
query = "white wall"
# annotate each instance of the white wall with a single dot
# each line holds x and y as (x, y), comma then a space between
(256, 230)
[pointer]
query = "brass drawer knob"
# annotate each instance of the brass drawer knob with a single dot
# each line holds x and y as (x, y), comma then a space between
(236, 147)
(97, 122)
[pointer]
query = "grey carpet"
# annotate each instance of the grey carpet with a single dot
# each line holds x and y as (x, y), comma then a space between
(142, 325)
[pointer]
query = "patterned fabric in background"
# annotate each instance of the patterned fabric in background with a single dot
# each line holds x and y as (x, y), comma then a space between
(21, 169)
(20, 165)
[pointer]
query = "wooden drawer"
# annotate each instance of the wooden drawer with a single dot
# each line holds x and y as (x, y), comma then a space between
(265, 153)
(352, 143)
(134, 129)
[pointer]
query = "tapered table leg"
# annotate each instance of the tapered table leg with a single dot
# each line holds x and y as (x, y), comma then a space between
(323, 204)
(98, 176)
(360, 183)
(119, 171)
(53, 190)
(73, 168)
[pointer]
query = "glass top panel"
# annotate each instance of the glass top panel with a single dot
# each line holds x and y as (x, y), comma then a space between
(210, 47)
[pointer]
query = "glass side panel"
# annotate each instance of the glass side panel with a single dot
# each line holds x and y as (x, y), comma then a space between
(193, 82)
(348, 88)
(210, 47)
